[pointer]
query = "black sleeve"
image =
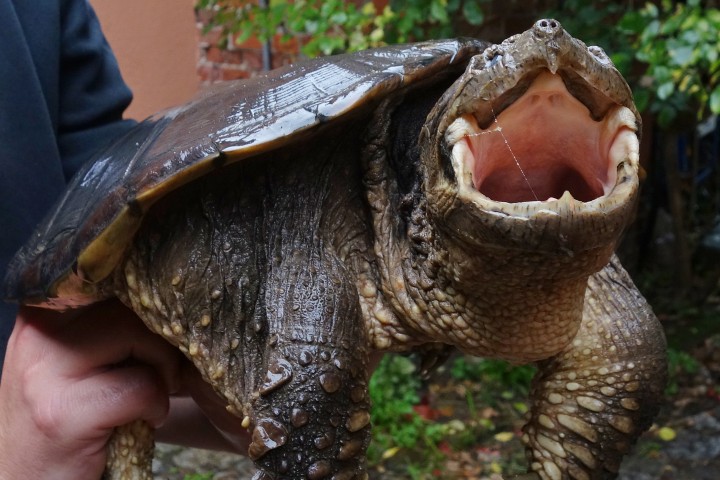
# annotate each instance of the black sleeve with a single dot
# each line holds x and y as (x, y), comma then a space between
(92, 95)
(61, 100)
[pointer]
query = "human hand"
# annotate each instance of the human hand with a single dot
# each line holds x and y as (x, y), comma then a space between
(69, 379)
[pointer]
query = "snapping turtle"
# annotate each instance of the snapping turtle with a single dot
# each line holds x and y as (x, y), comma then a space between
(279, 230)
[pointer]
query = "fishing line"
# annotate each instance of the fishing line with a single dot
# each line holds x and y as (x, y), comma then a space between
(499, 129)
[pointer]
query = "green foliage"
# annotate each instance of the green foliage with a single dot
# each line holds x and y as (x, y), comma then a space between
(394, 392)
(394, 389)
(680, 364)
(199, 476)
(324, 27)
(679, 43)
(399, 430)
(321, 27)
(413, 20)
(495, 375)
(669, 51)
(590, 21)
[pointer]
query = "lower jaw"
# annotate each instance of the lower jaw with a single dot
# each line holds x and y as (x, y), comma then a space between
(578, 232)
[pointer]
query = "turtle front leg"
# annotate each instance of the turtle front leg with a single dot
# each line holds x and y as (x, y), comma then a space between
(310, 413)
(591, 402)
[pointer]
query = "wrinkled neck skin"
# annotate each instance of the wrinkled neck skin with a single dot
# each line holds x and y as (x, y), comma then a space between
(487, 256)
(488, 300)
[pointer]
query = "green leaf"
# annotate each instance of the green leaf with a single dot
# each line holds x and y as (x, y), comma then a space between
(472, 12)
(438, 12)
(243, 35)
(661, 73)
(376, 35)
(681, 56)
(666, 434)
(339, 18)
(711, 54)
(672, 25)
(642, 98)
(665, 90)
(622, 61)
(651, 31)
(633, 22)
(651, 10)
(690, 37)
(504, 437)
(312, 27)
(715, 100)
(713, 16)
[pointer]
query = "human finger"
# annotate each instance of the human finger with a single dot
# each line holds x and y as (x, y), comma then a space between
(102, 335)
(87, 411)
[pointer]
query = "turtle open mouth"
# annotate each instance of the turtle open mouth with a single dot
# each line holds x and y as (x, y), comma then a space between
(544, 146)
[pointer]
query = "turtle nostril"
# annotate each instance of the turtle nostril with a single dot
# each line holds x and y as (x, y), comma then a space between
(547, 27)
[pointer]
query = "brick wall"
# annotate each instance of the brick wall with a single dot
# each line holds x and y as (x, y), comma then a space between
(233, 61)
(504, 18)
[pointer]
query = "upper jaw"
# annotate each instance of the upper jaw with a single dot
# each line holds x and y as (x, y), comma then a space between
(561, 176)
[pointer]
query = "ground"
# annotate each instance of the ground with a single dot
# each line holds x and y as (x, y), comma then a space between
(684, 443)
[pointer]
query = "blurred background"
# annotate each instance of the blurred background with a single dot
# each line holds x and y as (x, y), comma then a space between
(464, 422)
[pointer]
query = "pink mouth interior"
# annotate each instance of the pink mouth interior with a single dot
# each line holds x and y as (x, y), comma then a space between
(548, 144)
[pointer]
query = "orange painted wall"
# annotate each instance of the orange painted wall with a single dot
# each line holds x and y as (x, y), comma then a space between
(156, 43)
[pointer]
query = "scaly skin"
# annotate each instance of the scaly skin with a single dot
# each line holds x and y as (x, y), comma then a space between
(592, 401)
(130, 452)
(281, 231)
(279, 277)
(255, 286)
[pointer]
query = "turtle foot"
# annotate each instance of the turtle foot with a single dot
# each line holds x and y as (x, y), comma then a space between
(314, 423)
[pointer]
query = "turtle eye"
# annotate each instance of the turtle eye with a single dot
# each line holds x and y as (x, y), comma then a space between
(599, 54)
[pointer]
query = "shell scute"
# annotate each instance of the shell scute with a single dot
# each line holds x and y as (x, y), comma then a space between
(103, 206)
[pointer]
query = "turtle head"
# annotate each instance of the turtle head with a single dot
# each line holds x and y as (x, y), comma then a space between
(535, 147)
(531, 162)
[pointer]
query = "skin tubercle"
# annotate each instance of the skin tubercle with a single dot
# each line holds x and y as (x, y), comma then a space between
(591, 402)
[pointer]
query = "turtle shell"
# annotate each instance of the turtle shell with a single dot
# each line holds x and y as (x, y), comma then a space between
(87, 233)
